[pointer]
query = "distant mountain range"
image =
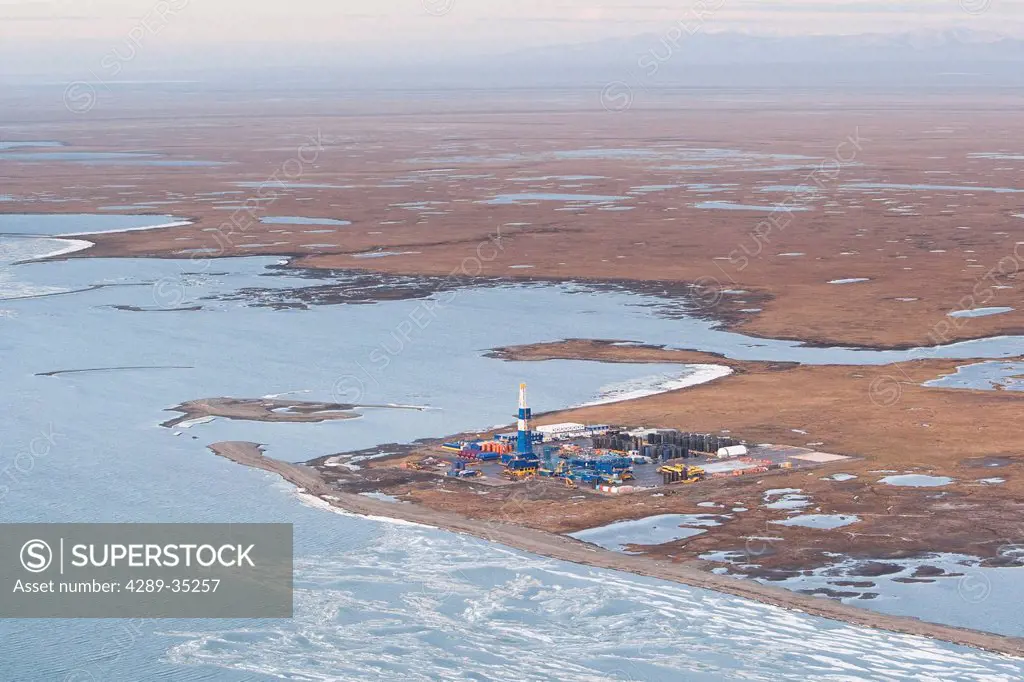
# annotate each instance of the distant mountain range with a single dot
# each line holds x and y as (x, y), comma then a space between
(675, 57)
(735, 48)
(669, 58)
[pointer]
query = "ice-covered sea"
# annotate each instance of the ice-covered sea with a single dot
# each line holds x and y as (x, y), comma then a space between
(374, 600)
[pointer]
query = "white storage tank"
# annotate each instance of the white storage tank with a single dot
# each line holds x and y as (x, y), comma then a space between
(733, 451)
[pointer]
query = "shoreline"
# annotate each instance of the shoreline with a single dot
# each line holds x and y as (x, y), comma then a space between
(724, 313)
(64, 246)
(567, 549)
(701, 374)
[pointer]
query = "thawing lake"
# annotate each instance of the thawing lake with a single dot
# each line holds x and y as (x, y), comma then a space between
(984, 376)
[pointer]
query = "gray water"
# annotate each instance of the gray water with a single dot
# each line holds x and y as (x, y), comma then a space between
(819, 521)
(651, 530)
(300, 220)
(967, 593)
(981, 312)
(984, 376)
(732, 206)
(375, 600)
(547, 196)
(77, 223)
(930, 188)
(29, 144)
(917, 480)
(109, 158)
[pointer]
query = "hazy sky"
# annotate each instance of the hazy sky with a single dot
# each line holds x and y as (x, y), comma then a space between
(504, 24)
(56, 35)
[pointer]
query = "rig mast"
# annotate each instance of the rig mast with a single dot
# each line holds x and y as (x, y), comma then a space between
(524, 439)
